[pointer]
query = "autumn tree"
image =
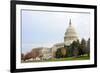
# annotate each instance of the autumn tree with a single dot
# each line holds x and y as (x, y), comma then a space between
(27, 56)
(63, 52)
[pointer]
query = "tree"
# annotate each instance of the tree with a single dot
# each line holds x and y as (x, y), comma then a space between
(69, 52)
(58, 53)
(22, 56)
(83, 46)
(75, 52)
(74, 48)
(35, 53)
(32, 54)
(27, 56)
(81, 52)
(88, 47)
(63, 52)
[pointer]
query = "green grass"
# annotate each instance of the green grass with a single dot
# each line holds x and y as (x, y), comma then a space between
(71, 58)
(85, 57)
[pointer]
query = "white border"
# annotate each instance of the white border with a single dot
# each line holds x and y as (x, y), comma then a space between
(20, 65)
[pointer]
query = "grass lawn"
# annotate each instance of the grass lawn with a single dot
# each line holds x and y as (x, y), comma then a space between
(71, 58)
(85, 57)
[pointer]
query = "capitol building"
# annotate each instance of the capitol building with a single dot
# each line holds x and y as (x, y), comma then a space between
(70, 36)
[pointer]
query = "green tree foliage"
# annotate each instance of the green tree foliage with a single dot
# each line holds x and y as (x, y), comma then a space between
(77, 48)
(81, 51)
(58, 53)
(83, 46)
(74, 48)
(61, 52)
(69, 51)
(88, 47)
(22, 56)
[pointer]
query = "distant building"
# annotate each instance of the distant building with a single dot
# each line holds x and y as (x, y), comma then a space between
(46, 53)
(56, 46)
(43, 53)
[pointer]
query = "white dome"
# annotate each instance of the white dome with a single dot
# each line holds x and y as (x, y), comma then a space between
(70, 31)
(70, 35)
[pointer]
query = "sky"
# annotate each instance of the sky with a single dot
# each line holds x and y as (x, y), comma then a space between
(46, 28)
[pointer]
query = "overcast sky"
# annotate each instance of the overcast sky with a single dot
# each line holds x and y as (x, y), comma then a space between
(43, 29)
